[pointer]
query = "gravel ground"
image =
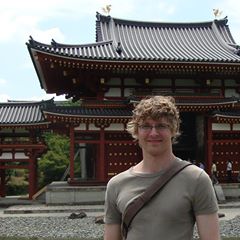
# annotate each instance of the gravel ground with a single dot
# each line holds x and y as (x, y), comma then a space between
(63, 227)
(55, 227)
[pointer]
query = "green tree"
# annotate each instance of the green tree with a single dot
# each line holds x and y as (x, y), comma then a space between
(53, 164)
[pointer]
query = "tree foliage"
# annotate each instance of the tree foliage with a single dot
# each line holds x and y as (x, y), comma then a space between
(53, 164)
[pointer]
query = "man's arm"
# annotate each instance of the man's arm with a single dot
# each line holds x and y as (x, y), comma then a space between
(112, 232)
(208, 226)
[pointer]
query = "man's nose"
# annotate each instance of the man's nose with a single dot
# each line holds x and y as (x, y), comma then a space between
(153, 130)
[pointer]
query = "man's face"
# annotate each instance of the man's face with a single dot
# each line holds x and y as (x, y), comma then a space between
(155, 136)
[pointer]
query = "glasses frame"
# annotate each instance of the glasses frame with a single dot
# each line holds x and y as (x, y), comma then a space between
(158, 127)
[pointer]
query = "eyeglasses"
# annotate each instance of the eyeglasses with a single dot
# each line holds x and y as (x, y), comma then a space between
(158, 128)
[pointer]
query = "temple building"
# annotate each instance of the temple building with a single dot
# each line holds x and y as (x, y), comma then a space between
(21, 140)
(196, 63)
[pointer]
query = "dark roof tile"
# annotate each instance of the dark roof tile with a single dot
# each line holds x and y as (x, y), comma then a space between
(22, 113)
(93, 112)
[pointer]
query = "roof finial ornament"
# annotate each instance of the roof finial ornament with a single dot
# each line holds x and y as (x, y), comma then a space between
(54, 43)
(217, 13)
(107, 9)
(119, 48)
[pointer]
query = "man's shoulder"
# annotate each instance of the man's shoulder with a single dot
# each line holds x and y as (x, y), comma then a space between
(189, 165)
(120, 177)
(194, 171)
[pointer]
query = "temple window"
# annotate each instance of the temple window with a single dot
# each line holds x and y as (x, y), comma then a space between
(231, 93)
(230, 83)
(186, 82)
(216, 83)
(131, 82)
(113, 92)
(128, 92)
(161, 82)
(114, 82)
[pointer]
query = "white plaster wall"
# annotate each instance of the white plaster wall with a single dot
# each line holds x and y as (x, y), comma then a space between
(221, 126)
(82, 126)
(115, 127)
(236, 127)
(18, 155)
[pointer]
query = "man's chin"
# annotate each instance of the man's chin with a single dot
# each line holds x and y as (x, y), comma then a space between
(154, 152)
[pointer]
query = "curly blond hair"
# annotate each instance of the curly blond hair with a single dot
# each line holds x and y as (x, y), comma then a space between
(155, 108)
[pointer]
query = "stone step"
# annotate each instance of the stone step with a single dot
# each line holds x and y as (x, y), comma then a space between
(58, 193)
(26, 209)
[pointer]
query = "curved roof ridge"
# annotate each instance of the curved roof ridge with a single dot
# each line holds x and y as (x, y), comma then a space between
(20, 102)
(104, 18)
(33, 42)
(225, 44)
(56, 44)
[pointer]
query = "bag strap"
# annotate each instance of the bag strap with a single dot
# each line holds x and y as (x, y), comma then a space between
(137, 204)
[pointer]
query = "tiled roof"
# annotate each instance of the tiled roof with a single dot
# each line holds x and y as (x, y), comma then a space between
(198, 101)
(89, 112)
(151, 41)
(229, 114)
(111, 111)
(232, 116)
(206, 101)
(99, 50)
(22, 113)
(33, 113)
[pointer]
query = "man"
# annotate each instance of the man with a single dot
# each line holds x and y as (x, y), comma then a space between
(188, 197)
(229, 171)
(214, 173)
(201, 165)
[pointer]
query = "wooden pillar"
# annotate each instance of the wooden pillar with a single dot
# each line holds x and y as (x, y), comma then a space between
(72, 141)
(2, 182)
(101, 176)
(32, 175)
(83, 160)
(209, 146)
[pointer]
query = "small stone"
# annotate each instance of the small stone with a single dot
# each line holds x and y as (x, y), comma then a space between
(99, 219)
(220, 215)
(77, 215)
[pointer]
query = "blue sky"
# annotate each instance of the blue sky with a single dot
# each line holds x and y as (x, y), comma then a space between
(73, 22)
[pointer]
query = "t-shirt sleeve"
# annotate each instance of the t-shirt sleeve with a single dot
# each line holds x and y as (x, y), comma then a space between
(205, 201)
(112, 214)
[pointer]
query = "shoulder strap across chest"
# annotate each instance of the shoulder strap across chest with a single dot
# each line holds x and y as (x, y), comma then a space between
(134, 207)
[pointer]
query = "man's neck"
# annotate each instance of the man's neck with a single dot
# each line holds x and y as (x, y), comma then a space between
(151, 164)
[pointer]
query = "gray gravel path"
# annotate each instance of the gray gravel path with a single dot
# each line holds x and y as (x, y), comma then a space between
(63, 227)
(55, 227)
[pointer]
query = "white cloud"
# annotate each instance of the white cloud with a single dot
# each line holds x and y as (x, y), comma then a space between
(46, 97)
(166, 8)
(48, 35)
(4, 97)
(231, 8)
(2, 81)
(19, 18)
(16, 29)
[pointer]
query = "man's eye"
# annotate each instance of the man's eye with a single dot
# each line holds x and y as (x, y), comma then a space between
(146, 127)
(161, 126)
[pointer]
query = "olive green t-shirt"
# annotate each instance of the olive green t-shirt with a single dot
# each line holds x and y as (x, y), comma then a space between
(171, 213)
